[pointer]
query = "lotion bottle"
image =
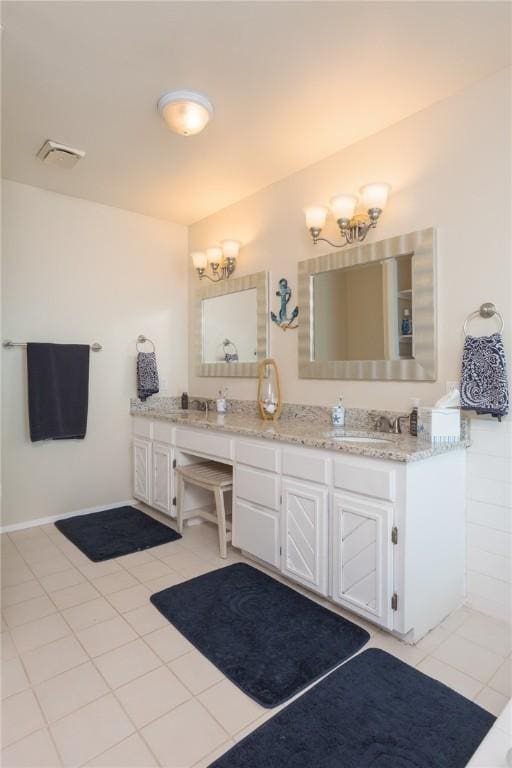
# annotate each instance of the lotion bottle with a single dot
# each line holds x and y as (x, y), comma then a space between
(413, 418)
(338, 414)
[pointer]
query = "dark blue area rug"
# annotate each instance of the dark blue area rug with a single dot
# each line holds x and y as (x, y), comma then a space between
(266, 638)
(115, 532)
(373, 712)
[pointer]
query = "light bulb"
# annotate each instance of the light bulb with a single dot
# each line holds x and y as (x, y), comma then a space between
(214, 254)
(375, 195)
(198, 259)
(185, 112)
(343, 206)
(315, 216)
(230, 248)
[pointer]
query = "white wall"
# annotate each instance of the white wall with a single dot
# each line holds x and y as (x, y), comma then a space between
(76, 271)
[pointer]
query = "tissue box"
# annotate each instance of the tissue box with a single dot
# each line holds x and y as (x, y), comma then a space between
(439, 425)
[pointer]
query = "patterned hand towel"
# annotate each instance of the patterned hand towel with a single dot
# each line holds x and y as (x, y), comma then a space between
(483, 386)
(147, 375)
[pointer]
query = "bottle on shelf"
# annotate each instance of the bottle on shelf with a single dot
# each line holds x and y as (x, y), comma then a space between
(406, 327)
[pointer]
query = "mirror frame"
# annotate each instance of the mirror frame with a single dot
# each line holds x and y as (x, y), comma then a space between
(258, 280)
(423, 367)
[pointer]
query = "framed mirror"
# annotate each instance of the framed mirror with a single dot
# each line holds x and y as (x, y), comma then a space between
(232, 326)
(370, 312)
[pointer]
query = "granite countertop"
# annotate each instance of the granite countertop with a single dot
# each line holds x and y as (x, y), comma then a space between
(305, 431)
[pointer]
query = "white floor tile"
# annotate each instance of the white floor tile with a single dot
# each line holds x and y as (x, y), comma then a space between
(232, 708)
(105, 636)
(89, 731)
(51, 659)
(168, 643)
(130, 753)
(472, 659)
(14, 678)
(492, 701)
(127, 662)
(152, 695)
(195, 671)
(21, 715)
(34, 751)
(501, 681)
(184, 735)
(70, 690)
(29, 636)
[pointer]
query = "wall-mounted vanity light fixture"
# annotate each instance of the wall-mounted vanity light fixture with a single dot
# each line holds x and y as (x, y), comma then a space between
(220, 260)
(353, 226)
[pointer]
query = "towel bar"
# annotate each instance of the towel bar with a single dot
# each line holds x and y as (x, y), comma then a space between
(486, 310)
(8, 344)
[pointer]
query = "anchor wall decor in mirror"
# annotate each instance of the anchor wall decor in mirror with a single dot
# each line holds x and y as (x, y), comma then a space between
(232, 326)
(370, 312)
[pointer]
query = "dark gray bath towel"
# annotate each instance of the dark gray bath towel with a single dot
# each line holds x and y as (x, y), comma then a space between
(147, 375)
(483, 386)
(58, 390)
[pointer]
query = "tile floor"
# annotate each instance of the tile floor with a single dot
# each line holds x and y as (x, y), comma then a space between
(93, 675)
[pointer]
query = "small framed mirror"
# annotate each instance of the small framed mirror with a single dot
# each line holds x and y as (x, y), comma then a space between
(370, 312)
(232, 326)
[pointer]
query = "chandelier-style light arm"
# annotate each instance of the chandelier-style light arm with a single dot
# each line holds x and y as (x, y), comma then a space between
(333, 245)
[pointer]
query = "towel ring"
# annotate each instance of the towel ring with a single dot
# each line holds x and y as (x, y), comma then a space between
(142, 340)
(487, 311)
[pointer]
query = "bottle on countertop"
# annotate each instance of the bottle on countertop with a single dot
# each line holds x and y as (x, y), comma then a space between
(222, 403)
(338, 414)
(413, 418)
(184, 401)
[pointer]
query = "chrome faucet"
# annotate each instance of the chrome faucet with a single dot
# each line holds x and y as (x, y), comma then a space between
(200, 400)
(384, 424)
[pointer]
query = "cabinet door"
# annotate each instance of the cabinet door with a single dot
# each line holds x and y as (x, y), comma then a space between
(362, 556)
(142, 469)
(162, 489)
(304, 527)
(256, 530)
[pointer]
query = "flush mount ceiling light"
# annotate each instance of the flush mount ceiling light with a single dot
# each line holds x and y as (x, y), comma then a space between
(185, 112)
(353, 226)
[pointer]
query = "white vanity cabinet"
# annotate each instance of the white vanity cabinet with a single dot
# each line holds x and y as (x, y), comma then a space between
(142, 469)
(153, 459)
(384, 539)
(304, 534)
(362, 556)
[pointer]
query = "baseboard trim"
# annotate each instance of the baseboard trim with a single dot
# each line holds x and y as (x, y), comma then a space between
(45, 520)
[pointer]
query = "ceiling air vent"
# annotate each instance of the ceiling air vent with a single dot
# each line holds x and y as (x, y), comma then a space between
(54, 153)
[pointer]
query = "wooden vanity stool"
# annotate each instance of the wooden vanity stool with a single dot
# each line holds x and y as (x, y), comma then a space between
(214, 477)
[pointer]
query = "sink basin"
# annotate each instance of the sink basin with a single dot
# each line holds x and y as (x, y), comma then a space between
(355, 438)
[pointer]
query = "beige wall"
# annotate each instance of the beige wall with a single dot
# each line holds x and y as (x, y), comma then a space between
(78, 271)
(450, 168)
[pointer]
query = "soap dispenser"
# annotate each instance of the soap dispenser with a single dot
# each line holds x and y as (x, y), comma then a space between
(338, 414)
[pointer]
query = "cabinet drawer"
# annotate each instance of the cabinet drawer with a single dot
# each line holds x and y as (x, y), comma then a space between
(257, 531)
(258, 455)
(259, 487)
(142, 428)
(306, 465)
(366, 480)
(216, 446)
(163, 432)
